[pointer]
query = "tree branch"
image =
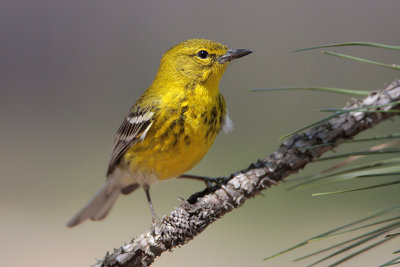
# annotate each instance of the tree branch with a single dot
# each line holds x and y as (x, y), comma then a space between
(203, 208)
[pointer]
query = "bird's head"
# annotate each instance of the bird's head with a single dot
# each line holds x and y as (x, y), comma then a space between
(198, 60)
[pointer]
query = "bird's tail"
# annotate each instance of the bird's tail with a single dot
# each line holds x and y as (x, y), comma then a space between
(101, 203)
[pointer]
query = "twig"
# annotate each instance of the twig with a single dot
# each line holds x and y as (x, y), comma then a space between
(203, 208)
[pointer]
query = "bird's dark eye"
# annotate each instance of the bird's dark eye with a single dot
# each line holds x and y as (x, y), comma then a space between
(203, 54)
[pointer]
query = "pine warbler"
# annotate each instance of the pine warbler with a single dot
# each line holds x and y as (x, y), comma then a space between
(171, 127)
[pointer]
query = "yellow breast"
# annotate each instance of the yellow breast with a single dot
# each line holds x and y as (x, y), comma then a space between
(179, 137)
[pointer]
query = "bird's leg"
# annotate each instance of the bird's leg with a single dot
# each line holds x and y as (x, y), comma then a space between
(207, 180)
(155, 219)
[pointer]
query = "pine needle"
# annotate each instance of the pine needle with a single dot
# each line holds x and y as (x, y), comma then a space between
(378, 174)
(323, 89)
(313, 124)
(305, 242)
(325, 174)
(373, 138)
(392, 262)
(357, 228)
(390, 66)
(356, 189)
(365, 238)
(377, 45)
(361, 153)
(360, 251)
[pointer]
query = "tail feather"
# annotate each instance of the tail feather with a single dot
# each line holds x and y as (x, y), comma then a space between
(100, 205)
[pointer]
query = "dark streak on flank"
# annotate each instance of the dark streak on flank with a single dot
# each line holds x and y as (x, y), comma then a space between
(213, 116)
(181, 131)
(221, 108)
(220, 103)
(169, 129)
(208, 132)
(176, 135)
(187, 139)
(181, 121)
(182, 116)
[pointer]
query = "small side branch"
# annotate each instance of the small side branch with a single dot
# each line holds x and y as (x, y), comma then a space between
(203, 208)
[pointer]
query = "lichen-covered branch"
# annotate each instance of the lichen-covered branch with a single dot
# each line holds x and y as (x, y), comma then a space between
(203, 208)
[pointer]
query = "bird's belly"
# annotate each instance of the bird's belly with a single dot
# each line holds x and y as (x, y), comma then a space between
(180, 158)
(170, 151)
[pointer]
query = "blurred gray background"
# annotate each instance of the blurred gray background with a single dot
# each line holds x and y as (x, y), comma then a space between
(70, 71)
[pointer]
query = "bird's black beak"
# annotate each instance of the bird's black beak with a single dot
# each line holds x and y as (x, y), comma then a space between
(232, 54)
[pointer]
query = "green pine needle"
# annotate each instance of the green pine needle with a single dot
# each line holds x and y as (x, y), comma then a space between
(378, 169)
(360, 251)
(365, 110)
(390, 66)
(373, 138)
(323, 89)
(385, 210)
(305, 242)
(313, 124)
(394, 234)
(361, 153)
(393, 47)
(356, 189)
(357, 228)
(364, 238)
(392, 262)
(352, 172)
(348, 175)
(360, 109)
(378, 174)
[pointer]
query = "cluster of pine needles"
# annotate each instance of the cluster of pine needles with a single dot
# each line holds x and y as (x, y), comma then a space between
(379, 226)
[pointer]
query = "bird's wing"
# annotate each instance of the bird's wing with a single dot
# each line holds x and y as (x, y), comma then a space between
(133, 129)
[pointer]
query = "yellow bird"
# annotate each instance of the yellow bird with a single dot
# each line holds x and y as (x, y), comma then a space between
(171, 127)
